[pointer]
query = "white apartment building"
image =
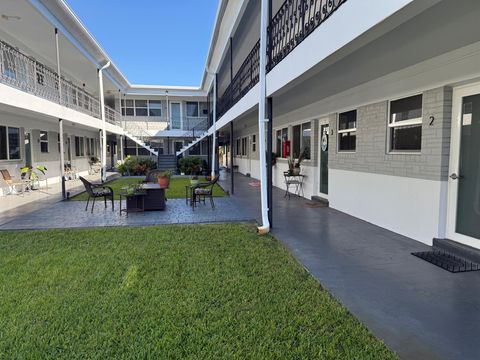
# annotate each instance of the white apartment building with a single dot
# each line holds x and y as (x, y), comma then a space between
(385, 96)
(382, 96)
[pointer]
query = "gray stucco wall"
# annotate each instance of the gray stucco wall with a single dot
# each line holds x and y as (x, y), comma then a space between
(372, 155)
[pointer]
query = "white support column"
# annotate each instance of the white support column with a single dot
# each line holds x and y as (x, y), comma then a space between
(57, 49)
(214, 134)
(104, 130)
(60, 121)
(168, 110)
(122, 155)
(265, 228)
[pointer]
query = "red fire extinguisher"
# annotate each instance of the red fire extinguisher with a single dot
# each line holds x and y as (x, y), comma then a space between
(286, 148)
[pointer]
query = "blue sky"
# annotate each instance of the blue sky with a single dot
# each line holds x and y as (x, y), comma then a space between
(160, 42)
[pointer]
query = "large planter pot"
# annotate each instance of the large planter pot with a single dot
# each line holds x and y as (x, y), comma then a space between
(296, 171)
(163, 181)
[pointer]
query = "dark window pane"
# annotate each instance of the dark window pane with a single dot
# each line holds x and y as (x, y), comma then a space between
(14, 143)
(192, 109)
(129, 111)
(347, 141)
(142, 151)
(406, 109)
(296, 141)
(141, 112)
(140, 103)
(44, 147)
(407, 138)
(279, 143)
(131, 151)
(347, 120)
(3, 143)
(306, 133)
(155, 112)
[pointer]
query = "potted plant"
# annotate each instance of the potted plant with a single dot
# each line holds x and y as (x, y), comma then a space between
(164, 179)
(34, 177)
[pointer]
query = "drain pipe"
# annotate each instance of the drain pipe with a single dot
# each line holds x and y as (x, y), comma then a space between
(265, 227)
(104, 129)
(214, 133)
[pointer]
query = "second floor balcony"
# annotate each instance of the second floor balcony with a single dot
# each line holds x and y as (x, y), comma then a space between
(27, 74)
(289, 26)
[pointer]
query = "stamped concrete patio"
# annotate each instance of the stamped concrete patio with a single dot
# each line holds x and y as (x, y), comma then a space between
(72, 214)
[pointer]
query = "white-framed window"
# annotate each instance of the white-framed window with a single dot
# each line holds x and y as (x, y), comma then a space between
(128, 107)
(79, 146)
(282, 136)
(192, 108)
(347, 131)
(405, 124)
(203, 106)
(44, 141)
(254, 143)
(9, 143)
(141, 108)
(238, 148)
(301, 140)
(244, 146)
(154, 108)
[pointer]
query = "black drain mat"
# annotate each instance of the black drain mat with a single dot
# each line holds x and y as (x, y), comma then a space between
(448, 261)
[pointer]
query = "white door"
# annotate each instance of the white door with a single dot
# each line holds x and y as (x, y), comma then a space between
(463, 219)
(176, 115)
(323, 136)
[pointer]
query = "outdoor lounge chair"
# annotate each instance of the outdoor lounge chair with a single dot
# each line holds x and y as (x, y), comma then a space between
(97, 191)
(12, 183)
(202, 191)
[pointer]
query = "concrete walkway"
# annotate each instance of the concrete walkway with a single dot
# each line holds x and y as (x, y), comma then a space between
(421, 311)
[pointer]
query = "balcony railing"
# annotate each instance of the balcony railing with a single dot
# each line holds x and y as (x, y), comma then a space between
(246, 78)
(294, 21)
(26, 74)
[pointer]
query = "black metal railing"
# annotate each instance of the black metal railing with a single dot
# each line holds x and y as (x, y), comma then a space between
(293, 22)
(246, 78)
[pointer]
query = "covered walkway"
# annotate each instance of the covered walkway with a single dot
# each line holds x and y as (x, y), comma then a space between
(421, 311)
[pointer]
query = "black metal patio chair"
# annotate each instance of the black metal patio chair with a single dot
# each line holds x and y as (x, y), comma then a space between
(97, 191)
(202, 191)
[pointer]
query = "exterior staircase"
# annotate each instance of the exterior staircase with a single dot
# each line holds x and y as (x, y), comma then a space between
(167, 162)
(140, 136)
(197, 134)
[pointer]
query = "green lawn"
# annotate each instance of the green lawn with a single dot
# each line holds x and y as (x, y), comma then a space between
(176, 292)
(176, 190)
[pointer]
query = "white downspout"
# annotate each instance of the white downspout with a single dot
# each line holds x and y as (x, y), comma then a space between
(104, 129)
(265, 227)
(214, 124)
(60, 123)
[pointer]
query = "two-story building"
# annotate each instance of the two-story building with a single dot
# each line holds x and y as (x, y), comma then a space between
(382, 97)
